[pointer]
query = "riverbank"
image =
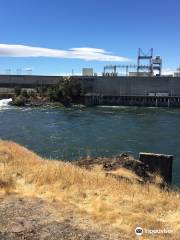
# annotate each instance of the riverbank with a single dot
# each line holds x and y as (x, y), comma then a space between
(42, 198)
(65, 93)
(35, 101)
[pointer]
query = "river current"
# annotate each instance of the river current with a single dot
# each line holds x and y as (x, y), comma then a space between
(99, 131)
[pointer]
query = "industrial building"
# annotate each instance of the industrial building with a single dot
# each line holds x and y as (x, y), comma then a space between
(87, 72)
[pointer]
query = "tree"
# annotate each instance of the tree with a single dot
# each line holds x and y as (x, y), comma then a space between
(17, 91)
(66, 91)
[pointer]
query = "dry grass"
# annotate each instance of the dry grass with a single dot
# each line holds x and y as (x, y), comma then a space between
(120, 204)
(126, 173)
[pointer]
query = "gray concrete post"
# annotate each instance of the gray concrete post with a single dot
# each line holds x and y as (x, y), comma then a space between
(160, 163)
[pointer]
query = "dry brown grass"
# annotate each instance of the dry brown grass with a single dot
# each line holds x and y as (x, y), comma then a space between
(121, 204)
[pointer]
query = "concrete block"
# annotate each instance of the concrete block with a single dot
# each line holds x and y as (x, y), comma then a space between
(160, 163)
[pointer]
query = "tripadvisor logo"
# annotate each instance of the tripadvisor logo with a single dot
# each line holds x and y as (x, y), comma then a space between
(139, 231)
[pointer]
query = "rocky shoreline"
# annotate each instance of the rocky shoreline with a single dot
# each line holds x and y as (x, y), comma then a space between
(64, 93)
(20, 101)
(33, 102)
(111, 165)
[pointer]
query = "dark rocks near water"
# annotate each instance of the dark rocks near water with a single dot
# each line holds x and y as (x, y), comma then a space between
(126, 161)
(24, 101)
(66, 93)
(20, 101)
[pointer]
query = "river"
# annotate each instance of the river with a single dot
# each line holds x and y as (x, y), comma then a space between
(99, 131)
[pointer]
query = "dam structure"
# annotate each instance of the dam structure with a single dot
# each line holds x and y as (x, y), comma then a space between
(8, 83)
(144, 87)
(132, 91)
(157, 91)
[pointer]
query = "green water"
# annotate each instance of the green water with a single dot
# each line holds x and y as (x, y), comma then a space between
(101, 131)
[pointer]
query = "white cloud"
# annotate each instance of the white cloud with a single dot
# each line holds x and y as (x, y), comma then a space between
(28, 69)
(84, 53)
(168, 71)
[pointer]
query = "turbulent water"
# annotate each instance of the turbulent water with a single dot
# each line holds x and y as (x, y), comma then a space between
(4, 103)
(101, 131)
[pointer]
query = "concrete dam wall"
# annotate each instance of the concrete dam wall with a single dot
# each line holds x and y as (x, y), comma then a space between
(105, 90)
(131, 86)
(101, 85)
(27, 81)
(132, 91)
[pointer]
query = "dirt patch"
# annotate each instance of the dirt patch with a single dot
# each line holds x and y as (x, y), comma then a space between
(35, 219)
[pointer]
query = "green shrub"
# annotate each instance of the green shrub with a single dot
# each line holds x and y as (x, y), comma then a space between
(24, 94)
(17, 91)
(65, 91)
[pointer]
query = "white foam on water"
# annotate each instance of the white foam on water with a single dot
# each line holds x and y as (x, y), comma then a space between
(4, 103)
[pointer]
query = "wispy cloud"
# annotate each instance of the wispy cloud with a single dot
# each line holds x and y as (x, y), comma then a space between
(84, 53)
(168, 71)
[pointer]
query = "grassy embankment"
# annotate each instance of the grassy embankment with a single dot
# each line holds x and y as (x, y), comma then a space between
(119, 204)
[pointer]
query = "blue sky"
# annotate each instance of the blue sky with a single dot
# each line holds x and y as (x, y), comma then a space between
(115, 28)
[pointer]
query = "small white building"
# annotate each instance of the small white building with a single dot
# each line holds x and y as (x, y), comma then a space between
(87, 72)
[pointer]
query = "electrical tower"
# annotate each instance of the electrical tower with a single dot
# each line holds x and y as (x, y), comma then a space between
(149, 68)
(114, 69)
(145, 57)
(157, 65)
